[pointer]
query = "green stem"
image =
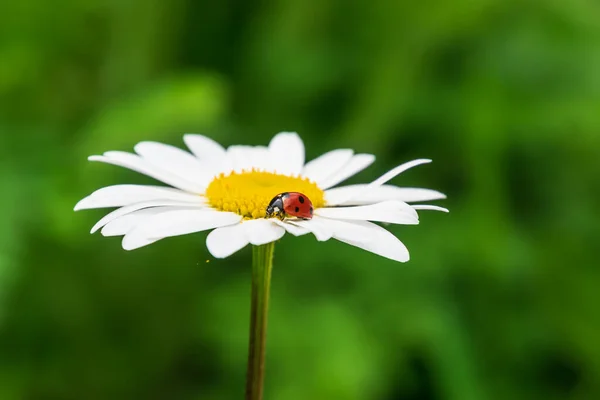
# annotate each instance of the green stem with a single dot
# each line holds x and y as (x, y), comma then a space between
(262, 263)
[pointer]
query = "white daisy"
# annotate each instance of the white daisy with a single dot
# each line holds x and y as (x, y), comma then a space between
(228, 191)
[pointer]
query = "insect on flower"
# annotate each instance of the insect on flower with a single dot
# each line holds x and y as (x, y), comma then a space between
(292, 204)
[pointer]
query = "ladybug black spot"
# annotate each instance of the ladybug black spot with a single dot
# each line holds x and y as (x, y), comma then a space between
(311, 211)
(297, 209)
(301, 199)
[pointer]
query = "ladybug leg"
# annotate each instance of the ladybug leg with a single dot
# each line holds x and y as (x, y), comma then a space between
(281, 215)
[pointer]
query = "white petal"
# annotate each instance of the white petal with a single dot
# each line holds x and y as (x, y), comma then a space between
(261, 158)
(324, 166)
(122, 195)
(410, 195)
(397, 171)
(221, 166)
(290, 228)
(138, 206)
(262, 231)
(338, 196)
(248, 157)
(368, 236)
(175, 161)
(393, 211)
(239, 157)
(357, 163)
(223, 242)
(128, 245)
(317, 226)
(386, 177)
(124, 224)
(287, 153)
(175, 223)
(204, 148)
(428, 207)
(211, 154)
(138, 164)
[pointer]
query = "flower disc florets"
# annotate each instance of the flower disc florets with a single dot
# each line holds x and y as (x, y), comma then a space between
(248, 193)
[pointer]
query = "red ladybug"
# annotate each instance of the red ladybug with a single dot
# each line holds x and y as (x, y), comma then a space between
(292, 204)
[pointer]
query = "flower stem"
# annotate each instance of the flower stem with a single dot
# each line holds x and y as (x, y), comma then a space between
(262, 263)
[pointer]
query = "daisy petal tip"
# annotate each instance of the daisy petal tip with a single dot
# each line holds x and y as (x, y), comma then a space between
(223, 242)
(421, 161)
(288, 133)
(282, 140)
(82, 204)
(429, 207)
(135, 241)
(197, 141)
(100, 224)
(129, 245)
(190, 135)
(126, 243)
(218, 252)
(400, 256)
(217, 255)
(140, 146)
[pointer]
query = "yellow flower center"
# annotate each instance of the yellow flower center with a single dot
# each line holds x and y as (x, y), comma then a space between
(248, 193)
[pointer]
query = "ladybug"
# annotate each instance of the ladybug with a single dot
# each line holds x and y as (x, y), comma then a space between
(292, 204)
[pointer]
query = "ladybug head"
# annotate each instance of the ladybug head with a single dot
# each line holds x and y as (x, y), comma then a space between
(275, 207)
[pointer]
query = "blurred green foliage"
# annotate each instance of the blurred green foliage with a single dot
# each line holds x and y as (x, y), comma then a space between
(500, 299)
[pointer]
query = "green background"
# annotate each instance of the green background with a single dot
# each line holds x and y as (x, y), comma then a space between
(501, 298)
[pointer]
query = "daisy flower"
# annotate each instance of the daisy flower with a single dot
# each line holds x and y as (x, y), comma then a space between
(228, 190)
